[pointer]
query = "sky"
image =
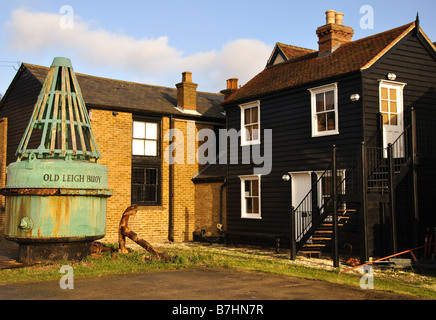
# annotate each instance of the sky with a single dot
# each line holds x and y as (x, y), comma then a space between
(154, 41)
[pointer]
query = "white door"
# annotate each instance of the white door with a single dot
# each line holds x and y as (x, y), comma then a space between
(391, 108)
(301, 185)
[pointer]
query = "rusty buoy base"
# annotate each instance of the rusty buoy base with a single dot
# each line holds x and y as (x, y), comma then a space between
(31, 253)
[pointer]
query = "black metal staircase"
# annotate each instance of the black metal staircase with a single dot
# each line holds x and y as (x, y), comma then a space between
(368, 173)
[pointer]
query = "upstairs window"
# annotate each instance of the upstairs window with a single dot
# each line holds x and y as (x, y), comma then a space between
(145, 139)
(324, 102)
(250, 123)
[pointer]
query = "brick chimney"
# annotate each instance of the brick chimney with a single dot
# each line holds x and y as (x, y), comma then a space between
(187, 92)
(333, 34)
(232, 86)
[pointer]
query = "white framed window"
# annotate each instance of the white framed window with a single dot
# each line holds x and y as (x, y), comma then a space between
(250, 197)
(324, 105)
(250, 123)
(145, 138)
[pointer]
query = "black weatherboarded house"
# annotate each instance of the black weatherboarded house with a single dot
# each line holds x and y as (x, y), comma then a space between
(358, 115)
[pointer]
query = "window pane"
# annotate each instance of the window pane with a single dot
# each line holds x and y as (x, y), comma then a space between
(151, 131)
(255, 188)
(384, 93)
(151, 176)
(138, 176)
(393, 120)
(138, 147)
(393, 107)
(255, 202)
(247, 133)
(393, 94)
(254, 115)
(385, 117)
(247, 116)
(249, 205)
(138, 194)
(138, 130)
(150, 148)
(247, 188)
(255, 132)
(321, 122)
(320, 102)
(329, 100)
(150, 193)
(384, 106)
(331, 121)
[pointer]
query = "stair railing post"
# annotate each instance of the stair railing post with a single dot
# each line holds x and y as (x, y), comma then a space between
(315, 208)
(413, 181)
(392, 197)
(292, 240)
(334, 194)
(363, 215)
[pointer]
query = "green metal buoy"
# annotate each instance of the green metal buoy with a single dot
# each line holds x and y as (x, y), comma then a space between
(56, 192)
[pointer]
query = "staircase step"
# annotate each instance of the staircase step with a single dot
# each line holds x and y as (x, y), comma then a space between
(323, 231)
(310, 253)
(347, 210)
(329, 225)
(321, 239)
(319, 245)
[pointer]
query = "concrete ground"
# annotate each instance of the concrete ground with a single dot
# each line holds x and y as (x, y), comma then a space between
(198, 284)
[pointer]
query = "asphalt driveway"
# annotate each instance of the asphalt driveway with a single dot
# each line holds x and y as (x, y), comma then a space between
(198, 284)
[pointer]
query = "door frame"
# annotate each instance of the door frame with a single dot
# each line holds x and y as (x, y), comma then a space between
(399, 86)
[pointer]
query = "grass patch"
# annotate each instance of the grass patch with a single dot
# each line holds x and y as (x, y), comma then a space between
(185, 257)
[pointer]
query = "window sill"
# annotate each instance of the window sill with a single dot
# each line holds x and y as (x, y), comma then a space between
(250, 143)
(155, 207)
(252, 218)
(324, 134)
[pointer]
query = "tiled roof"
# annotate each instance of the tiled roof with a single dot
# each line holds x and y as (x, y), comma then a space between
(136, 97)
(349, 57)
(292, 52)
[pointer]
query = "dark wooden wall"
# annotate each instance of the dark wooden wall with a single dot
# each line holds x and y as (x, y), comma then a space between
(414, 63)
(18, 107)
(288, 114)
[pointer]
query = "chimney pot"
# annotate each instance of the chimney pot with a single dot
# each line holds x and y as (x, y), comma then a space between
(339, 19)
(232, 83)
(330, 16)
(232, 86)
(187, 76)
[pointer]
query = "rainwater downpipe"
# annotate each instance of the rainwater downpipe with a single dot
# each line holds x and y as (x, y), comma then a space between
(221, 200)
(171, 177)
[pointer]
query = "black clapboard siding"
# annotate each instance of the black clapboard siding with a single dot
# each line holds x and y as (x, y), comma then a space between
(288, 114)
(413, 64)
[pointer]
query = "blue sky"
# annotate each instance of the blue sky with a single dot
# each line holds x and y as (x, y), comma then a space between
(154, 41)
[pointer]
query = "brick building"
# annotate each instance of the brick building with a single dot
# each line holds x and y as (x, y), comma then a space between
(131, 123)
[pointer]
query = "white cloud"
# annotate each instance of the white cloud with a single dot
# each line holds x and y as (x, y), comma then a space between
(40, 34)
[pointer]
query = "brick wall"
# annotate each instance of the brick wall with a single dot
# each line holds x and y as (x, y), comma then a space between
(207, 207)
(3, 159)
(114, 139)
(112, 134)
